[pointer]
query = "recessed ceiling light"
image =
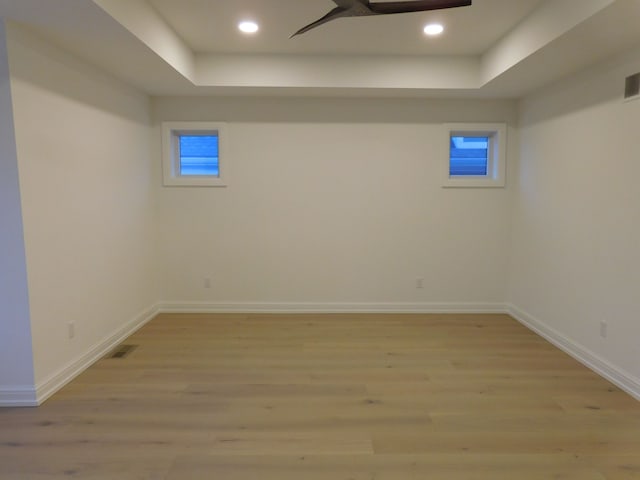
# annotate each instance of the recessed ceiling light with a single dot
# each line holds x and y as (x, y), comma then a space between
(433, 29)
(248, 27)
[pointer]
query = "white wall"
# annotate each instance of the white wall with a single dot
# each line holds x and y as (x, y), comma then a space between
(85, 177)
(16, 364)
(576, 234)
(334, 202)
(331, 203)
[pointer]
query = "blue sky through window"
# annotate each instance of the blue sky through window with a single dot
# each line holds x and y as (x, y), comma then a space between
(199, 155)
(469, 156)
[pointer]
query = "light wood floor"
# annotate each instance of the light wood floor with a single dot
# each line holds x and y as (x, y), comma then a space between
(329, 397)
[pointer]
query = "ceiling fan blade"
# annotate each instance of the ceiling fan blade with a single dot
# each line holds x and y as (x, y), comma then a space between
(386, 8)
(361, 8)
(349, 3)
(332, 15)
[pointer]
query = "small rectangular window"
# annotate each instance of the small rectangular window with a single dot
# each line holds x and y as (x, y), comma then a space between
(199, 155)
(468, 156)
(194, 154)
(476, 155)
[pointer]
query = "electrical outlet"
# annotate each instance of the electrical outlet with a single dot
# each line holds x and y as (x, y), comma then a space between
(603, 329)
(207, 283)
(419, 282)
(71, 330)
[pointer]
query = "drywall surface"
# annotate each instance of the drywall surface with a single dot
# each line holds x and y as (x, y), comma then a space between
(333, 202)
(16, 364)
(88, 212)
(576, 222)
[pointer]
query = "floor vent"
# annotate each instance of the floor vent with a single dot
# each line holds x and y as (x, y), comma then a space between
(122, 351)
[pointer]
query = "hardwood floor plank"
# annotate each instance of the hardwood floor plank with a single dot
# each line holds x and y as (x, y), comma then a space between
(491, 441)
(383, 467)
(315, 397)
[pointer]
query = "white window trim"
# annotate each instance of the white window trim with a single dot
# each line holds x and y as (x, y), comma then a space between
(171, 132)
(497, 166)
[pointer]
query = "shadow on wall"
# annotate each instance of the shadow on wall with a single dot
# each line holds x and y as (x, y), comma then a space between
(599, 84)
(336, 110)
(36, 62)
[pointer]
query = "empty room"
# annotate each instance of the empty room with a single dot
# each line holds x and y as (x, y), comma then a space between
(320, 239)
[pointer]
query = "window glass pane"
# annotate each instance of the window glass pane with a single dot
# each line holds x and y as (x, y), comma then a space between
(469, 156)
(199, 155)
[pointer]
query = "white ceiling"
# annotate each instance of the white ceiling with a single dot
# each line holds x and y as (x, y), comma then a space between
(493, 49)
(210, 27)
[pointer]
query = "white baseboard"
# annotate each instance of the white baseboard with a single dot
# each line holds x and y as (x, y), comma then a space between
(18, 396)
(63, 376)
(256, 307)
(602, 367)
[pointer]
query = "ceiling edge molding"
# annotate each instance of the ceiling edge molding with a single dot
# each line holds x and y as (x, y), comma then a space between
(146, 24)
(547, 23)
(368, 72)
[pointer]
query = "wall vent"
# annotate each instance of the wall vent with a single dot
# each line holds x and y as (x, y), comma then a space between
(632, 87)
